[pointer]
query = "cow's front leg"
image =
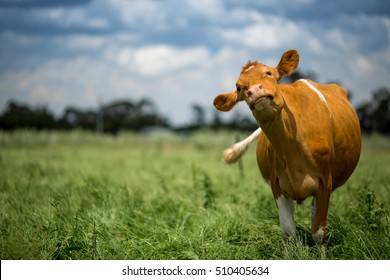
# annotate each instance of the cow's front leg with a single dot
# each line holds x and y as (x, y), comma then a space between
(286, 217)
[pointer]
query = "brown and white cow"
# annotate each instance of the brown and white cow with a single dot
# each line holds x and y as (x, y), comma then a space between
(311, 141)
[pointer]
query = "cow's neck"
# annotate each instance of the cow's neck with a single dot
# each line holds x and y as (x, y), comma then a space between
(281, 132)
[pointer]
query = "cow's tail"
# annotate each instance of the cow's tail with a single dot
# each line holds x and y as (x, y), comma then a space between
(233, 153)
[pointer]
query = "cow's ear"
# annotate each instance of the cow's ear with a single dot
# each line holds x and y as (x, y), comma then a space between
(225, 102)
(288, 63)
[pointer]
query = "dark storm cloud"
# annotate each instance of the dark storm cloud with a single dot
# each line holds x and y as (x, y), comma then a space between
(316, 9)
(33, 18)
(48, 28)
(41, 3)
(345, 7)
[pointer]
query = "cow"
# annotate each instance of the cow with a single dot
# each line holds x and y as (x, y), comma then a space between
(309, 138)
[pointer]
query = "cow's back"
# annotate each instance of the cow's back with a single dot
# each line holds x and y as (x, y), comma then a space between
(343, 127)
(346, 136)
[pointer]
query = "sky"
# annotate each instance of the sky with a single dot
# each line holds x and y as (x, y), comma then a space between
(180, 52)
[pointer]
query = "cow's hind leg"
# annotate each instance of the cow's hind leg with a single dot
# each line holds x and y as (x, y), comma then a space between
(320, 212)
(286, 217)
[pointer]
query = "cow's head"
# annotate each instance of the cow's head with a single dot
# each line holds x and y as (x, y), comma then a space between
(257, 86)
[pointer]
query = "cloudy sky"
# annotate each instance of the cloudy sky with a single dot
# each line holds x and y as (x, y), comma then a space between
(180, 52)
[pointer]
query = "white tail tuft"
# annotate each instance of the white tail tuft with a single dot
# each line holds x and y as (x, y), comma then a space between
(232, 155)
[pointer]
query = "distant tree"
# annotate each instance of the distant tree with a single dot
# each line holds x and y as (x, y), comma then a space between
(147, 115)
(364, 113)
(374, 115)
(73, 118)
(44, 119)
(216, 122)
(118, 115)
(126, 115)
(241, 122)
(17, 115)
(145, 107)
(114, 117)
(199, 118)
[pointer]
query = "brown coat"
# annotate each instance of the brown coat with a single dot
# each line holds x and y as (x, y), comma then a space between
(311, 141)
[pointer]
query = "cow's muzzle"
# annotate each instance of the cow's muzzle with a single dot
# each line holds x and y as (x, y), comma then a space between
(261, 102)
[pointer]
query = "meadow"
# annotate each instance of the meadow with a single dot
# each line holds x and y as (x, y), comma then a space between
(78, 195)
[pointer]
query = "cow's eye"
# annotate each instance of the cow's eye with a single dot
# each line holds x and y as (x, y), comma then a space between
(268, 73)
(238, 88)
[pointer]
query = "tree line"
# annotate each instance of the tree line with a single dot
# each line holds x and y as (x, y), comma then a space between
(111, 118)
(141, 115)
(374, 115)
(121, 115)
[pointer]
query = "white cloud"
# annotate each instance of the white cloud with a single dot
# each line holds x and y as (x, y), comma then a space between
(82, 42)
(361, 65)
(150, 14)
(80, 82)
(268, 33)
(337, 38)
(208, 8)
(73, 17)
(156, 60)
(386, 23)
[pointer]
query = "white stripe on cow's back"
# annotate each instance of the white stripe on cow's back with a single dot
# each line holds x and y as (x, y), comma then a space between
(319, 93)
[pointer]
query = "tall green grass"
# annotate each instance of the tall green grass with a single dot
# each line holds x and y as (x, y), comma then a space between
(77, 195)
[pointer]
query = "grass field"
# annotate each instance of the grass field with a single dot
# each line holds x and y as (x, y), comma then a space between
(76, 195)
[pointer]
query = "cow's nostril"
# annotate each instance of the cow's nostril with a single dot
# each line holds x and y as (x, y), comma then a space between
(261, 86)
(249, 93)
